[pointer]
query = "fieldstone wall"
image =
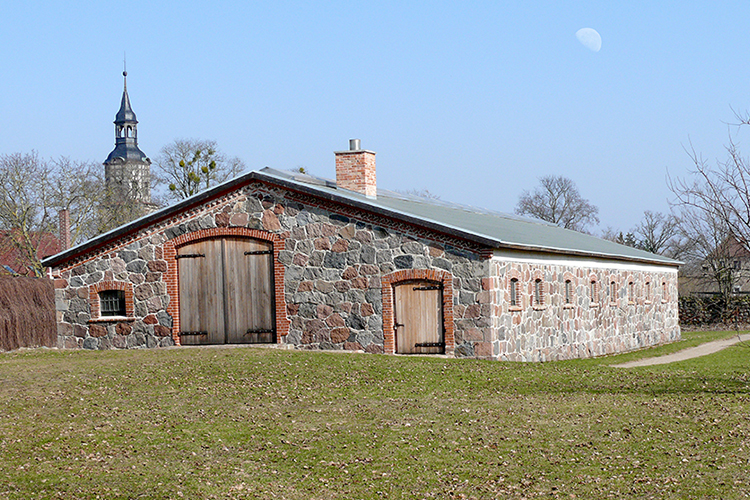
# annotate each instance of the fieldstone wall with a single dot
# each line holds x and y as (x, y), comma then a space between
(333, 264)
(137, 268)
(638, 315)
(707, 310)
(335, 261)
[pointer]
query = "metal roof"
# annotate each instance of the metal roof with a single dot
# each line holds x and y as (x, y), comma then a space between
(495, 229)
(126, 147)
(492, 230)
(125, 113)
(127, 150)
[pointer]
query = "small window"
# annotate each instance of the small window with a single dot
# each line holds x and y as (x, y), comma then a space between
(568, 292)
(631, 292)
(514, 292)
(664, 294)
(538, 295)
(592, 291)
(112, 303)
(613, 292)
(647, 291)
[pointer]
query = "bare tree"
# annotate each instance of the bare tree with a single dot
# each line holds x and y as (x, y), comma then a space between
(658, 233)
(721, 191)
(420, 193)
(715, 213)
(32, 193)
(712, 254)
(79, 187)
(558, 201)
(24, 201)
(188, 166)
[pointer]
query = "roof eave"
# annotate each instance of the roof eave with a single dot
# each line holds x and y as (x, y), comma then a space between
(595, 255)
(353, 201)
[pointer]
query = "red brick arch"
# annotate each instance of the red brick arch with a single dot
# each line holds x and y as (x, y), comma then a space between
(538, 276)
(568, 276)
(387, 283)
(510, 275)
(94, 290)
(172, 276)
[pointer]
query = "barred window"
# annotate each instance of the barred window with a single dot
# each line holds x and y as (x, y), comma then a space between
(514, 292)
(112, 303)
(538, 295)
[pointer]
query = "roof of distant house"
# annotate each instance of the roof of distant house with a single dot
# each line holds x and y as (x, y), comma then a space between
(11, 260)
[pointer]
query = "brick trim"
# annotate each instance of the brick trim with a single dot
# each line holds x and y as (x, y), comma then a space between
(412, 229)
(648, 289)
(510, 276)
(538, 277)
(96, 312)
(594, 290)
(172, 276)
(615, 280)
(387, 284)
(573, 279)
(631, 290)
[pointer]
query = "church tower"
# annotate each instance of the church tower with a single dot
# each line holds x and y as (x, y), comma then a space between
(127, 170)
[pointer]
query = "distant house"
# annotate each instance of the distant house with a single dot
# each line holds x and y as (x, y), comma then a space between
(725, 271)
(15, 262)
(283, 258)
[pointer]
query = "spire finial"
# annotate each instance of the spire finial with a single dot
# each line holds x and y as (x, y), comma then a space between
(125, 71)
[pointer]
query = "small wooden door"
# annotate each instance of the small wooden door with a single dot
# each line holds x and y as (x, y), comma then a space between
(226, 292)
(419, 318)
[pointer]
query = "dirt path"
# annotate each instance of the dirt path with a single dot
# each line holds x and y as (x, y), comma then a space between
(692, 352)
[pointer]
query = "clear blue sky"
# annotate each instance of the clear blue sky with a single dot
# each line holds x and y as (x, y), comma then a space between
(473, 101)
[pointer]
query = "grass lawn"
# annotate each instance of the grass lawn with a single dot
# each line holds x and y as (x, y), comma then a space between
(263, 423)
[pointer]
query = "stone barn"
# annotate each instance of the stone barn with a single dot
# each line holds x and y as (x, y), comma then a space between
(284, 258)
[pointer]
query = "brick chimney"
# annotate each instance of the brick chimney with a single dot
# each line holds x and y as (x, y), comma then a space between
(64, 221)
(355, 169)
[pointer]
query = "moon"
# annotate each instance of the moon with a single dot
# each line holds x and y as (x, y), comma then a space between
(589, 38)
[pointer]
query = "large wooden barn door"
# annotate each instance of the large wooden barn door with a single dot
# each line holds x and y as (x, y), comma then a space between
(226, 292)
(419, 318)
(249, 297)
(201, 293)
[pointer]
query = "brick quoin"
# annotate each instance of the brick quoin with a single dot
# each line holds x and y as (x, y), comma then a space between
(390, 280)
(172, 276)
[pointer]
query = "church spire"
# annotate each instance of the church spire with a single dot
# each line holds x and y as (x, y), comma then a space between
(125, 121)
(126, 130)
(127, 168)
